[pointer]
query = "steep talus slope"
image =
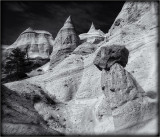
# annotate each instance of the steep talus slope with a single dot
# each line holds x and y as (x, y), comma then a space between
(91, 101)
(37, 43)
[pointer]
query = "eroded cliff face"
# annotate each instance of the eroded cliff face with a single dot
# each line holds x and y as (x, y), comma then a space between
(110, 100)
(37, 43)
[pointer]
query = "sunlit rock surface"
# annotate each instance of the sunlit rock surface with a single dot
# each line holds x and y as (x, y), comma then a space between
(37, 43)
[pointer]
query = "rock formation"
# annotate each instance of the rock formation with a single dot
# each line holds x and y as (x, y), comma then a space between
(111, 101)
(65, 42)
(107, 56)
(126, 100)
(93, 36)
(136, 26)
(37, 43)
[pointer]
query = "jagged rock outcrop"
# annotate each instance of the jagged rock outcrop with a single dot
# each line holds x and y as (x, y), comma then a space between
(93, 36)
(65, 42)
(108, 56)
(37, 43)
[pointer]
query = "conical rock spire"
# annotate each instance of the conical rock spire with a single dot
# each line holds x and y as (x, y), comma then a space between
(27, 30)
(65, 42)
(92, 36)
(68, 23)
(68, 19)
(92, 28)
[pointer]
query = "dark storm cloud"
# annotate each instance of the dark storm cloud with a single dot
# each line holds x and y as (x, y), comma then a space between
(50, 16)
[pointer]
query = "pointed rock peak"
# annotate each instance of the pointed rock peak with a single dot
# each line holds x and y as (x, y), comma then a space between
(27, 30)
(92, 28)
(68, 23)
(68, 19)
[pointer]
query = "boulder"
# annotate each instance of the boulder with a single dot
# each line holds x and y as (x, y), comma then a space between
(108, 56)
(127, 100)
(65, 42)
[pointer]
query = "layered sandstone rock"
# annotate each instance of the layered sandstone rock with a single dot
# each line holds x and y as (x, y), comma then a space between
(37, 43)
(65, 42)
(93, 36)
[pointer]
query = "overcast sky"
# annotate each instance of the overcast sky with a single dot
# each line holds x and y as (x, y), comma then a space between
(50, 16)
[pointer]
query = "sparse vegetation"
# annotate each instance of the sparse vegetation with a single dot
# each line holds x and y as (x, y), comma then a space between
(15, 61)
(17, 64)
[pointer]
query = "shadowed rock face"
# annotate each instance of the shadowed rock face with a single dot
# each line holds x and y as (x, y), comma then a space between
(107, 56)
(65, 42)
